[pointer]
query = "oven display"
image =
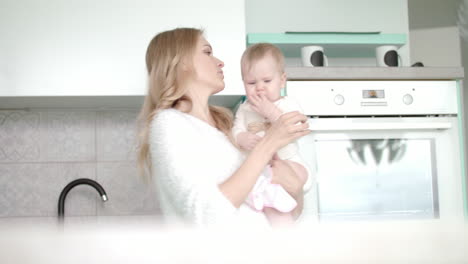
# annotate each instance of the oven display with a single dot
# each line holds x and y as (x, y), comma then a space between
(378, 94)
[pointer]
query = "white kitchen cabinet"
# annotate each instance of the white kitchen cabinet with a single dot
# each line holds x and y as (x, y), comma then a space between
(97, 48)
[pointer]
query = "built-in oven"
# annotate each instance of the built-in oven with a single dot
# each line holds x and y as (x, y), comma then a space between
(382, 149)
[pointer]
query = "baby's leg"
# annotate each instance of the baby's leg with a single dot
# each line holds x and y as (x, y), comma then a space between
(300, 171)
(277, 218)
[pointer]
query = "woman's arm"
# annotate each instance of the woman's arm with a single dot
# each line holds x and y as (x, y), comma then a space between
(288, 179)
(180, 172)
(286, 129)
(285, 175)
(183, 173)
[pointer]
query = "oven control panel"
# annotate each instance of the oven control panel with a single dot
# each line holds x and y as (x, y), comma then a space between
(325, 98)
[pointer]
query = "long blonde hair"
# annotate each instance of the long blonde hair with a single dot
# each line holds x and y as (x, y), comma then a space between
(164, 56)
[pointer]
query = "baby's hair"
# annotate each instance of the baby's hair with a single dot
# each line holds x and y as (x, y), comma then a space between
(259, 51)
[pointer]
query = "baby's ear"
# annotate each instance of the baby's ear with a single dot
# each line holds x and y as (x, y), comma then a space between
(284, 78)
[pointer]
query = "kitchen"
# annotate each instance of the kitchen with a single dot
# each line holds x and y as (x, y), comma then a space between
(89, 131)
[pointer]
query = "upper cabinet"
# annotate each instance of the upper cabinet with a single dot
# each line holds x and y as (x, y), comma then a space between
(97, 48)
(349, 30)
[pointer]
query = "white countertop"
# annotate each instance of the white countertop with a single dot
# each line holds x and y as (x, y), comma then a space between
(374, 73)
(352, 242)
(293, 73)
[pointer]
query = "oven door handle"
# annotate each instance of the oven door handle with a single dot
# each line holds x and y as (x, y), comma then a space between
(380, 126)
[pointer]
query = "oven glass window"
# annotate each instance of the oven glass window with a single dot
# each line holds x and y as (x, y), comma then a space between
(376, 178)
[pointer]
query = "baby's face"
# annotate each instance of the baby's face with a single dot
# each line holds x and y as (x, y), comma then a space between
(264, 78)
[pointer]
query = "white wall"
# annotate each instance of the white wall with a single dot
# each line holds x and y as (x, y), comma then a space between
(433, 26)
(330, 15)
(87, 47)
(436, 47)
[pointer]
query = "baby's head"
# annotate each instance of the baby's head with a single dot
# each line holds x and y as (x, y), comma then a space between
(262, 67)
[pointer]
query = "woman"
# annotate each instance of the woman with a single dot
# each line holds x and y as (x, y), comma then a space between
(200, 176)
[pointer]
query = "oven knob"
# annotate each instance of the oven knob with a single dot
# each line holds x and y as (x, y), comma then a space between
(339, 99)
(407, 99)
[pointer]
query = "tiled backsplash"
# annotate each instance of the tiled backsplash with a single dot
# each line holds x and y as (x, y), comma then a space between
(41, 151)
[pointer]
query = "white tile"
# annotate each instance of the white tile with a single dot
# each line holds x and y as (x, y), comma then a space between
(19, 136)
(21, 222)
(128, 194)
(33, 189)
(69, 136)
(116, 135)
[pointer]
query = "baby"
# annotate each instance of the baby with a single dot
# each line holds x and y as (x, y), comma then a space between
(264, 77)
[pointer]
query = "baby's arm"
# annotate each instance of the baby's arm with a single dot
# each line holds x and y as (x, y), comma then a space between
(243, 138)
(247, 140)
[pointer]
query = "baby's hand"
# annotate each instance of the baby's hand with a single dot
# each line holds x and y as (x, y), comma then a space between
(247, 140)
(264, 107)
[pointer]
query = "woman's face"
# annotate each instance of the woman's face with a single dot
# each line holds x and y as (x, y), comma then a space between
(208, 68)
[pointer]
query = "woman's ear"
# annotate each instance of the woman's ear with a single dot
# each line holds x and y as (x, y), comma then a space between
(184, 64)
(184, 67)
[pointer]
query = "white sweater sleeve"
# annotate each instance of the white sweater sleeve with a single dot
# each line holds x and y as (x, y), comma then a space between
(181, 172)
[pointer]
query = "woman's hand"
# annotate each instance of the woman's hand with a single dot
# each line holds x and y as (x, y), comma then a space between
(264, 107)
(286, 129)
(247, 140)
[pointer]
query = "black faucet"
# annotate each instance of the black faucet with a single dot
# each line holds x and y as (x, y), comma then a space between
(63, 194)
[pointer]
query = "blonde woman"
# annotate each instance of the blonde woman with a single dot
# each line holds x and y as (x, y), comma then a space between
(200, 176)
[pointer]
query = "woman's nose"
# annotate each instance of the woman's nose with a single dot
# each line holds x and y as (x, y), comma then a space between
(220, 63)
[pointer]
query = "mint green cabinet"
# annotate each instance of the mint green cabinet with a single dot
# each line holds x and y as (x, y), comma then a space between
(336, 44)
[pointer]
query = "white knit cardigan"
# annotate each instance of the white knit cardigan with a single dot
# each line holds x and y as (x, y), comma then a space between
(190, 158)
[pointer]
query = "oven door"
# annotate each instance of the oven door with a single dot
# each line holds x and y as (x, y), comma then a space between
(384, 168)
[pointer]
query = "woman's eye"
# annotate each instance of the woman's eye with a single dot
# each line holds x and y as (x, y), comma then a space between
(267, 81)
(208, 52)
